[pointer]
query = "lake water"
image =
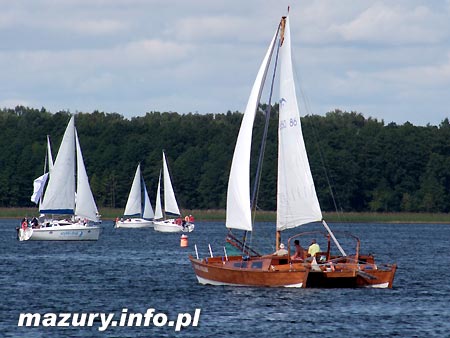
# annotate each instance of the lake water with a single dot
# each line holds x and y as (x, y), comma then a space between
(140, 269)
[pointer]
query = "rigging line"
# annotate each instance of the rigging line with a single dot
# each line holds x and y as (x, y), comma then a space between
(324, 167)
(308, 109)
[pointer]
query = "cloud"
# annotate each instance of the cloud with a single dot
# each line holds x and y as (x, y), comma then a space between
(393, 23)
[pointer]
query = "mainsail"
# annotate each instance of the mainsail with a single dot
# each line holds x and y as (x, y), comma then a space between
(297, 201)
(59, 197)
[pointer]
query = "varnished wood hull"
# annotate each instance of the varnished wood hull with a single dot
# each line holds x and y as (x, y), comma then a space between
(352, 276)
(257, 272)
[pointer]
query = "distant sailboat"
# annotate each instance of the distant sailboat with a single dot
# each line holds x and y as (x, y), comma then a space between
(161, 222)
(137, 215)
(71, 204)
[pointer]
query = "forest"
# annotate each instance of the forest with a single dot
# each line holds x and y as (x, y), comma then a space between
(358, 163)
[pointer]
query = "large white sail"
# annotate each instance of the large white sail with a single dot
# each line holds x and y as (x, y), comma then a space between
(134, 202)
(238, 215)
(158, 208)
(297, 201)
(85, 203)
(60, 193)
(170, 202)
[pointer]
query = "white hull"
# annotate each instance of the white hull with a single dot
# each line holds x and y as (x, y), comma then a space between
(170, 226)
(71, 232)
(134, 223)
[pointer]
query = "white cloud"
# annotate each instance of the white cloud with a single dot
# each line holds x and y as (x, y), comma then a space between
(385, 23)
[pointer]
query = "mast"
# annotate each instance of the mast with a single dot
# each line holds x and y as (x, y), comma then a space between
(282, 29)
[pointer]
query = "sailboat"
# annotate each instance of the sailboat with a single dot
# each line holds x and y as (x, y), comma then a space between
(250, 268)
(134, 205)
(297, 202)
(162, 223)
(67, 211)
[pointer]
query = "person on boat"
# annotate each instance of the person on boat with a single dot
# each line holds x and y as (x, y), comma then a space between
(281, 251)
(313, 248)
(34, 223)
(299, 253)
(186, 218)
(191, 219)
(178, 221)
(24, 223)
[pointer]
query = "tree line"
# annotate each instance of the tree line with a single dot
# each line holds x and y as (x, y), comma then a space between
(358, 163)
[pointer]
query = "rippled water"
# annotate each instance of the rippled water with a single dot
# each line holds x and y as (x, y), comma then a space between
(139, 269)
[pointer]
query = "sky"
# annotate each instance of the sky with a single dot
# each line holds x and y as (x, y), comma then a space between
(385, 59)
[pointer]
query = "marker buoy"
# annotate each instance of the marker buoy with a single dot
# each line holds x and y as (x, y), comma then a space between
(184, 241)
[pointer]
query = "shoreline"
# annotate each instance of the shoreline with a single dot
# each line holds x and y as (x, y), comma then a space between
(268, 216)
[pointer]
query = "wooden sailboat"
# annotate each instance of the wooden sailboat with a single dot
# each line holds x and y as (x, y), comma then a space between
(68, 207)
(137, 215)
(163, 222)
(251, 269)
(297, 204)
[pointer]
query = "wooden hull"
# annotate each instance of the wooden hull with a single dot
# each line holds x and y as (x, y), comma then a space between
(258, 272)
(134, 223)
(351, 276)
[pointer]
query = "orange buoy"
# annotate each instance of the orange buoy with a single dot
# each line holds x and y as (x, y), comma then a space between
(184, 241)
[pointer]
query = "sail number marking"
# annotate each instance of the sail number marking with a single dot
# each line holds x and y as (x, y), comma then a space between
(291, 123)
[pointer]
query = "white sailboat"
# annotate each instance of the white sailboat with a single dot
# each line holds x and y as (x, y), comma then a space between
(161, 222)
(137, 215)
(72, 208)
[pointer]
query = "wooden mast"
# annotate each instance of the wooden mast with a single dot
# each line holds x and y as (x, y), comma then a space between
(282, 28)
